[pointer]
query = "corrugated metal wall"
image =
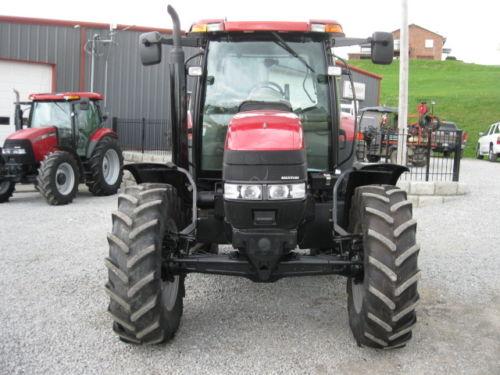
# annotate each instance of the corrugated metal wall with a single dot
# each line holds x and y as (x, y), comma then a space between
(47, 44)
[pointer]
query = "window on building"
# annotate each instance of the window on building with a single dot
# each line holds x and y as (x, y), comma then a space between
(429, 43)
(396, 44)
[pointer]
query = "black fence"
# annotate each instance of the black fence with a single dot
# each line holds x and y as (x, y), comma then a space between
(143, 135)
(431, 155)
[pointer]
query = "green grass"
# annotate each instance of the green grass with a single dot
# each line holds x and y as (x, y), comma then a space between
(468, 94)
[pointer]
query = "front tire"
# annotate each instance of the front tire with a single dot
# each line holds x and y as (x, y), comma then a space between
(58, 178)
(105, 168)
(382, 300)
(145, 301)
(478, 153)
(6, 190)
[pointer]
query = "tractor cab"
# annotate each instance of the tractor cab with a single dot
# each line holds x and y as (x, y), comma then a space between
(74, 115)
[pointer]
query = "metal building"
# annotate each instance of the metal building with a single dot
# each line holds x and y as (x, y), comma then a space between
(41, 55)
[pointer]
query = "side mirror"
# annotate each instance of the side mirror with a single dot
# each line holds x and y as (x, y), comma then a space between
(150, 48)
(382, 45)
(481, 134)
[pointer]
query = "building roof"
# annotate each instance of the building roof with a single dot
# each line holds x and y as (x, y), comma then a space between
(76, 24)
(423, 28)
(361, 71)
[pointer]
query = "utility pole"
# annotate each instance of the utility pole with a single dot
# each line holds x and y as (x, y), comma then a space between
(403, 84)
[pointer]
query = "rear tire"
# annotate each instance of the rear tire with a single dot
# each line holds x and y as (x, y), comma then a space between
(6, 190)
(105, 168)
(58, 178)
(145, 305)
(382, 301)
(491, 155)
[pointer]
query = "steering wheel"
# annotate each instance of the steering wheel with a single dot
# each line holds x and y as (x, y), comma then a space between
(271, 85)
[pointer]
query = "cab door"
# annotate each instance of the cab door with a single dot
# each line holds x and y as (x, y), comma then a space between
(87, 120)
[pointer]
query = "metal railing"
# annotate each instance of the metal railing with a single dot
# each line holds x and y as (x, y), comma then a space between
(143, 135)
(431, 155)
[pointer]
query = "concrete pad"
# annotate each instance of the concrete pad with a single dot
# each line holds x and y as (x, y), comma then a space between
(446, 188)
(404, 185)
(462, 188)
(422, 188)
(414, 200)
(424, 201)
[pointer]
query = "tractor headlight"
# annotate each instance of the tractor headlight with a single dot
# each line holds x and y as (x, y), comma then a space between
(14, 151)
(288, 191)
(273, 192)
(243, 191)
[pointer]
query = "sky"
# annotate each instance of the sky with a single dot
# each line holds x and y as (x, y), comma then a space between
(472, 29)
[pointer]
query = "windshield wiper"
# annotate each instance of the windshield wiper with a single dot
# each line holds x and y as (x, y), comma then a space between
(281, 42)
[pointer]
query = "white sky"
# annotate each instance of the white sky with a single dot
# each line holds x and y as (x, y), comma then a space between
(472, 28)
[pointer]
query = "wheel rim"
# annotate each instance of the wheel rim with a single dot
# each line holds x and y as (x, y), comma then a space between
(169, 291)
(111, 166)
(4, 186)
(358, 294)
(65, 178)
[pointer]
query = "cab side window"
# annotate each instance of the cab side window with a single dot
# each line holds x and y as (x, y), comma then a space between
(87, 119)
(497, 129)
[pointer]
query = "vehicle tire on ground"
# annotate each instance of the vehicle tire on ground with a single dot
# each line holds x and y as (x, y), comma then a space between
(145, 301)
(382, 300)
(58, 178)
(478, 153)
(105, 167)
(6, 190)
(491, 155)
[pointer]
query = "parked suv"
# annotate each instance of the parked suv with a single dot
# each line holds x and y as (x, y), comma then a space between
(489, 143)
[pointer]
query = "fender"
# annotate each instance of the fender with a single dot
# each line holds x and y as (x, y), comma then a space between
(361, 175)
(98, 135)
(177, 177)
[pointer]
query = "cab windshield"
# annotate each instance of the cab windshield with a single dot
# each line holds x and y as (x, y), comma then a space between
(293, 76)
(56, 114)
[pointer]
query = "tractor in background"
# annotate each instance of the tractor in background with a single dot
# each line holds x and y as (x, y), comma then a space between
(62, 143)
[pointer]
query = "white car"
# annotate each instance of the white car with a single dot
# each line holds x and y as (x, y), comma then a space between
(489, 143)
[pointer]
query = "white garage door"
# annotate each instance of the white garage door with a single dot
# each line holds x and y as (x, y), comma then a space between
(27, 78)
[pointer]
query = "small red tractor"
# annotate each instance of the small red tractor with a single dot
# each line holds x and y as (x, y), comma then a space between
(62, 143)
(264, 175)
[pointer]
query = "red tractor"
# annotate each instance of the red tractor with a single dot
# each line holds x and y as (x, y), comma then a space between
(62, 144)
(264, 176)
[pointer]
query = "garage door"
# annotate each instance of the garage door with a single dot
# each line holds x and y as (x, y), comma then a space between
(27, 78)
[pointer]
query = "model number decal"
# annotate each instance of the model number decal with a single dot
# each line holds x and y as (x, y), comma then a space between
(289, 177)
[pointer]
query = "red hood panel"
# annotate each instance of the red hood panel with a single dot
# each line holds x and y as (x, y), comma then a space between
(31, 133)
(268, 130)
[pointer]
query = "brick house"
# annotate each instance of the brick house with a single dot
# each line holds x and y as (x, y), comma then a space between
(424, 44)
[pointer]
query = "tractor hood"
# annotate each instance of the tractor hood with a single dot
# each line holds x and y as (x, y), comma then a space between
(33, 134)
(42, 141)
(264, 130)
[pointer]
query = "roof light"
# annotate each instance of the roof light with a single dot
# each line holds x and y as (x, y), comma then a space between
(207, 27)
(71, 97)
(326, 28)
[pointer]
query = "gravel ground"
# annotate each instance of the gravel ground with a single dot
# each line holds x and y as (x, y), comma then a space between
(54, 320)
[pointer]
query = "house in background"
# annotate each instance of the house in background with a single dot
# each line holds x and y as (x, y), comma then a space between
(424, 45)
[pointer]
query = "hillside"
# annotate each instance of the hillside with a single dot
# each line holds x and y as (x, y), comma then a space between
(467, 94)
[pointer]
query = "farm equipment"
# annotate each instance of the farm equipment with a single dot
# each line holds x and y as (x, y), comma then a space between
(263, 175)
(62, 144)
(378, 138)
